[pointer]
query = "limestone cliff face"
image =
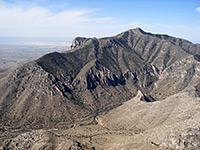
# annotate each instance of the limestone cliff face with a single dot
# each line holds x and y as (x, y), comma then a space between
(95, 76)
(78, 42)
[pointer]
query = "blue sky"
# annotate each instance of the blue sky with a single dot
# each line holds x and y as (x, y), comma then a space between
(98, 18)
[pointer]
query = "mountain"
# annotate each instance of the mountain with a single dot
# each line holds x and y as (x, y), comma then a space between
(97, 81)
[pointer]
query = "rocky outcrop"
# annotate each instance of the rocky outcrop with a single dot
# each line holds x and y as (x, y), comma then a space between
(188, 139)
(41, 140)
(78, 42)
(31, 140)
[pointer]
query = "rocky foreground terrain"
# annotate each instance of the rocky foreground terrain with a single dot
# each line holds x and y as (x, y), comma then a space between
(135, 90)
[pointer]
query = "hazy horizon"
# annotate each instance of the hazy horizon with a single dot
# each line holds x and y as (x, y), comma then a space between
(66, 18)
(21, 40)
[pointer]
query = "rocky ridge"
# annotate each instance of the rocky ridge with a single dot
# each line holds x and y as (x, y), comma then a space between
(85, 86)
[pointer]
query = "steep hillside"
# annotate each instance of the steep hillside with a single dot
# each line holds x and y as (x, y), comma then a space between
(96, 75)
(169, 124)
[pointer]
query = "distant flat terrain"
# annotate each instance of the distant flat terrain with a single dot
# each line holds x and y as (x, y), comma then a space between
(12, 55)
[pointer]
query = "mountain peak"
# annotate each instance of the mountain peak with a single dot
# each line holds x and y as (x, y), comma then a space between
(138, 31)
(62, 89)
(79, 91)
